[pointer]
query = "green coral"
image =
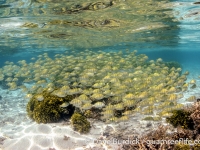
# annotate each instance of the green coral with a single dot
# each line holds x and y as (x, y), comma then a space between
(181, 117)
(48, 110)
(80, 123)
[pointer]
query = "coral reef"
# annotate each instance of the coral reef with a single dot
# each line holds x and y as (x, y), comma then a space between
(185, 135)
(150, 141)
(80, 123)
(49, 108)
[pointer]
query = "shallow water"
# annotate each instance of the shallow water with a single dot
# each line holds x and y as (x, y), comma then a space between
(148, 26)
(160, 29)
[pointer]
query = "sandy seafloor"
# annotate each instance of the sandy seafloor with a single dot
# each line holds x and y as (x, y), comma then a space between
(18, 132)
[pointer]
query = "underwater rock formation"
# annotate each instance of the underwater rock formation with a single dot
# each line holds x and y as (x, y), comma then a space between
(47, 108)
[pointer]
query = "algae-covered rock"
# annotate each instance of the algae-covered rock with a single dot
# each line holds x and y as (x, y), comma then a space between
(181, 118)
(80, 123)
(49, 108)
